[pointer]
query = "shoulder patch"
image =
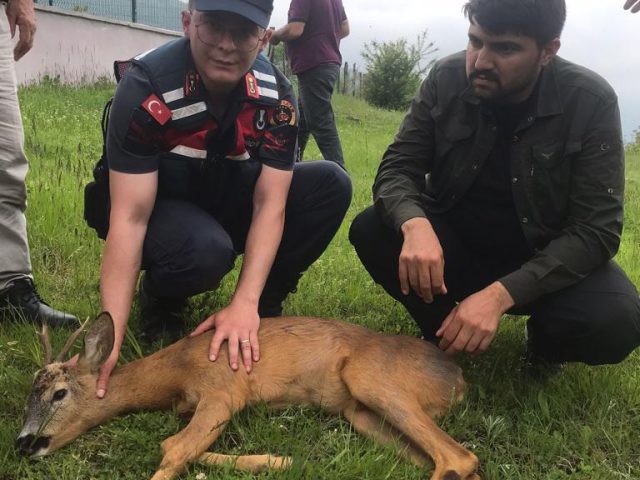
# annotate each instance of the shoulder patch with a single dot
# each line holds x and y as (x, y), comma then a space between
(252, 86)
(157, 109)
(284, 114)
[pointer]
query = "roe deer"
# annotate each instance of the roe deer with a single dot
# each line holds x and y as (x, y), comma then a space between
(387, 386)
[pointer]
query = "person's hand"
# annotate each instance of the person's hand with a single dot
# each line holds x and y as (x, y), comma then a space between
(21, 14)
(421, 263)
(472, 325)
(102, 384)
(632, 3)
(238, 323)
(274, 40)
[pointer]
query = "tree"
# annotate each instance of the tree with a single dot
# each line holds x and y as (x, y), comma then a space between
(395, 70)
(634, 146)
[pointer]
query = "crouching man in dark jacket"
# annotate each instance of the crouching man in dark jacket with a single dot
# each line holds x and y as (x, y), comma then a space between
(503, 193)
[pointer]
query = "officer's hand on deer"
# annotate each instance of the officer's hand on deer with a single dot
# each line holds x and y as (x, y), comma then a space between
(238, 323)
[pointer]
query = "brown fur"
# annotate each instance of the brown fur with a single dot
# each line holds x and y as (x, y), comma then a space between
(389, 387)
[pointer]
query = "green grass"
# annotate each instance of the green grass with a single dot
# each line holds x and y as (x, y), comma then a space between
(583, 425)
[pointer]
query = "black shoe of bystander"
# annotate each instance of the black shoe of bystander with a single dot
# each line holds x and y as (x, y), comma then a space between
(21, 301)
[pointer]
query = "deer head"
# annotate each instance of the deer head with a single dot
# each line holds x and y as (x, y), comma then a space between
(56, 410)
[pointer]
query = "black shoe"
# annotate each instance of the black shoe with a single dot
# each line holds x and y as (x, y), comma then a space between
(22, 302)
(160, 317)
(536, 367)
(274, 294)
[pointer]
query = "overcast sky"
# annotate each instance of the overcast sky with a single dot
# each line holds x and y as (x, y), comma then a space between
(598, 34)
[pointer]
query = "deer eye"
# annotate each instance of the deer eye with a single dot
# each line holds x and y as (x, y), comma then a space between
(59, 394)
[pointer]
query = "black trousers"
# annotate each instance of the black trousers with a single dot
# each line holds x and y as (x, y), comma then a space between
(187, 250)
(595, 321)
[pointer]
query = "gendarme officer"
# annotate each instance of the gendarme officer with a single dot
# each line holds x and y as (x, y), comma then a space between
(200, 150)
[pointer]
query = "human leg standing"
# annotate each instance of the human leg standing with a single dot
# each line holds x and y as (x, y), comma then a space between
(17, 291)
(303, 131)
(316, 89)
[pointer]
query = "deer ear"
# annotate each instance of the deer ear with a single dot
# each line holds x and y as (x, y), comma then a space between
(98, 343)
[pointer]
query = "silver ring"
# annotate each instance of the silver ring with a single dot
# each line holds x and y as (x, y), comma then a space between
(245, 341)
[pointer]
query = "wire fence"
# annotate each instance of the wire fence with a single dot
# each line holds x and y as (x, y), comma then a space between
(155, 13)
(350, 79)
(166, 14)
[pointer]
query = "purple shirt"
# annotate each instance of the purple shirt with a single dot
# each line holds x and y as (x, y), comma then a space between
(320, 41)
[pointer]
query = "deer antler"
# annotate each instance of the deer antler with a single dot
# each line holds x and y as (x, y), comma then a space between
(70, 341)
(43, 335)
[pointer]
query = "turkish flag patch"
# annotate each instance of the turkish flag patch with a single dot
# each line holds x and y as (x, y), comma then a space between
(157, 109)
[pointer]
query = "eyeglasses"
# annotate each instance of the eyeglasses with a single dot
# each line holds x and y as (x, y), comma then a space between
(245, 38)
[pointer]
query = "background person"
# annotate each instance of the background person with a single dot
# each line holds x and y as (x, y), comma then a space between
(312, 36)
(503, 192)
(201, 146)
(18, 295)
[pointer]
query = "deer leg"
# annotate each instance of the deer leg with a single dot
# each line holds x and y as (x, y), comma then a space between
(400, 406)
(452, 461)
(207, 423)
(249, 463)
(372, 425)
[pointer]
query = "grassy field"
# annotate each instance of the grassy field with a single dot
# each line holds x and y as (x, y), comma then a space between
(583, 425)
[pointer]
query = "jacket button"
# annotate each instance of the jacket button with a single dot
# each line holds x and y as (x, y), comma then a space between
(515, 139)
(525, 220)
(453, 197)
(494, 128)
(529, 119)
(514, 180)
(474, 166)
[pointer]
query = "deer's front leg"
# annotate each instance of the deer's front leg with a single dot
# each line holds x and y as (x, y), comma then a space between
(207, 423)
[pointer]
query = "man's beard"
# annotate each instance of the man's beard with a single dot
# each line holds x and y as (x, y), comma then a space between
(497, 95)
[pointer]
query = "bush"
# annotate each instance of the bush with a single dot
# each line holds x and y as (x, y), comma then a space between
(394, 70)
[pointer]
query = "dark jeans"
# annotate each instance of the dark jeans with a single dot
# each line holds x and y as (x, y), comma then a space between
(595, 321)
(188, 251)
(315, 90)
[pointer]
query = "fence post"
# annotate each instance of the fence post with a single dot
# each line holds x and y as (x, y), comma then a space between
(346, 78)
(134, 8)
(353, 80)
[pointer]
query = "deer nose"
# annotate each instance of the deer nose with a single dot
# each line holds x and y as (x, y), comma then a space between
(30, 445)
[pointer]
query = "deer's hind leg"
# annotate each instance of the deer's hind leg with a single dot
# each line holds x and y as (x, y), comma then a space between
(206, 425)
(399, 405)
(369, 423)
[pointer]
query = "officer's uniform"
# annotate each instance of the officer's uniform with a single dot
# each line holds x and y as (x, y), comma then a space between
(162, 120)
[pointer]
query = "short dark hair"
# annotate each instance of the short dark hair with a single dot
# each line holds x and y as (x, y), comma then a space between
(541, 20)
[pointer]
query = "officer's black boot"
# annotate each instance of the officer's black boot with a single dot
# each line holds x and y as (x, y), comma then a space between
(274, 293)
(160, 317)
(22, 302)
